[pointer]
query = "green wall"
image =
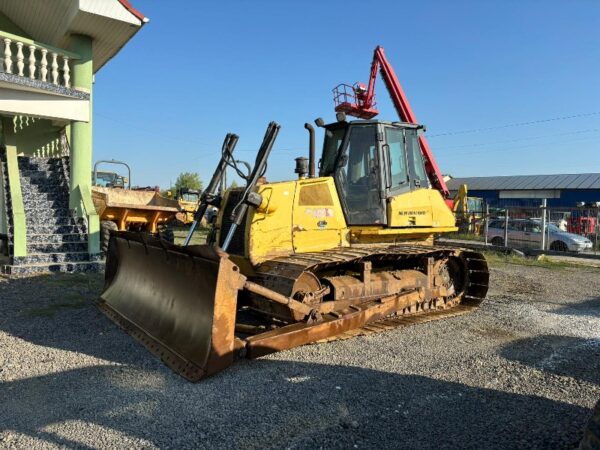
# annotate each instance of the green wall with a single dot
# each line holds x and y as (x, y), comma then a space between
(37, 137)
(3, 224)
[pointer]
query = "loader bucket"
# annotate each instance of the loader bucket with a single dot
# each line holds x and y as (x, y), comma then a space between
(179, 302)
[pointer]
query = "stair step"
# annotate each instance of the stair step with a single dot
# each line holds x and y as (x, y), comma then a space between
(43, 178)
(53, 247)
(47, 219)
(48, 258)
(37, 269)
(44, 185)
(42, 159)
(42, 167)
(46, 193)
(47, 208)
(56, 238)
(53, 229)
(42, 174)
(40, 201)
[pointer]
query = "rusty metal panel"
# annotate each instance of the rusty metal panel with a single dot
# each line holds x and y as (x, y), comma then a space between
(302, 333)
(180, 302)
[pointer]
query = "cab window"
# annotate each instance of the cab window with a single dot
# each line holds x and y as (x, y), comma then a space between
(357, 177)
(331, 146)
(398, 169)
(419, 174)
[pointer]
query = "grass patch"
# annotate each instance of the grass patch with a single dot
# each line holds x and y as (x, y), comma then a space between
(198, 238)
(66, 292)
(497, 259)
(71, 301)
(464, 237)
(89, 281)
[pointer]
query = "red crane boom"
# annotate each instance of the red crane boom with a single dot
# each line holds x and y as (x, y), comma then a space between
(359, 101)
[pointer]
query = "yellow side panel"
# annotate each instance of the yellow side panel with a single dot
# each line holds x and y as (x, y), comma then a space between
(318, 220)
(296, 217)
(420, 208)
(270, 226)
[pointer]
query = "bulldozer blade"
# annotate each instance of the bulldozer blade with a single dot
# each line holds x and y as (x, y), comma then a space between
(179, 302)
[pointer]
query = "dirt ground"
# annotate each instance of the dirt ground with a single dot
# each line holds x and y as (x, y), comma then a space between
(521, 372)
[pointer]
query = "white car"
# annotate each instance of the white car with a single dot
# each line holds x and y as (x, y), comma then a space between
(528, 233)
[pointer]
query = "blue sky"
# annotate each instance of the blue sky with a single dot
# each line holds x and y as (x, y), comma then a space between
(199, 69)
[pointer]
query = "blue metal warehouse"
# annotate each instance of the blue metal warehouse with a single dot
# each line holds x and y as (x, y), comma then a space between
(528, 190)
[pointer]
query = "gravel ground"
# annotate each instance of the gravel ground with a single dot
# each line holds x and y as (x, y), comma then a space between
(521, 372)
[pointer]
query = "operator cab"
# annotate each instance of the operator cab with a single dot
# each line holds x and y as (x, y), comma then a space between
(109, 179)
(372, 161)
(188, 195)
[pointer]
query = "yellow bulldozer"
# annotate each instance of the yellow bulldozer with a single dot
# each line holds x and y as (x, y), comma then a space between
(189, 200)
(321, 257)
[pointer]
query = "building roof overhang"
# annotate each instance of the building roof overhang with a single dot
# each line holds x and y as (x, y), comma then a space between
(111, 23)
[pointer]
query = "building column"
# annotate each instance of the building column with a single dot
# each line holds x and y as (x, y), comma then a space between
(81, 132)
(80, 197)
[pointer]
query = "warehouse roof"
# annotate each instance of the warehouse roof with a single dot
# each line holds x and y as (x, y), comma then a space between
(515, 182)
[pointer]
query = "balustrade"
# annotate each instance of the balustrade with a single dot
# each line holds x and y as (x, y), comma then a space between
(30, 59)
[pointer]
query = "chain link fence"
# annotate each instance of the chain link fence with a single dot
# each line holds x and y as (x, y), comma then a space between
(559, 229)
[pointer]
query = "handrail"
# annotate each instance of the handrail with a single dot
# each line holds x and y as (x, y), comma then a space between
(24, 40)
(93, 224)
(16, 199)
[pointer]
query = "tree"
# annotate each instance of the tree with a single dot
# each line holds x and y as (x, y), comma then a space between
(189, 180)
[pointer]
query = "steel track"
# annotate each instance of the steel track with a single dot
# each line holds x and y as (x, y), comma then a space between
(280, 274)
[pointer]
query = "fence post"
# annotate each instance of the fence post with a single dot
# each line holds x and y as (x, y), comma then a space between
(506, 227)
(486, 223)
(544, 203)
(597, 229)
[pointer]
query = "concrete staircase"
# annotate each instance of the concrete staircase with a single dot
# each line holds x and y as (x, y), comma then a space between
(56, 239)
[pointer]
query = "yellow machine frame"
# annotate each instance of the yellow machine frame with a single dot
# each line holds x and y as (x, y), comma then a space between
(306, 215)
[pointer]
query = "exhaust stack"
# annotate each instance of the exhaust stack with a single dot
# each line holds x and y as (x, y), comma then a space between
(311, 150)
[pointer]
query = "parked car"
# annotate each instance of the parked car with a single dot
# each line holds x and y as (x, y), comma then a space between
(528, 233)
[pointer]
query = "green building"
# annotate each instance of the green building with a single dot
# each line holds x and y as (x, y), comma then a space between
(49, 54)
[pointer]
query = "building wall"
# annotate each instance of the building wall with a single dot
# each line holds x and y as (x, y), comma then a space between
(36, 137)
(3, 224)
(568, 198)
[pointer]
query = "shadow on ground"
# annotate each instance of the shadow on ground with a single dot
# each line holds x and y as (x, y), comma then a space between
(561, 355)
(589, 307)
(256, 404)
(58, 311)
(276, 404)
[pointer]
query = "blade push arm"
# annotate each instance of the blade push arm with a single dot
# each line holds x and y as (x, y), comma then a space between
(209, 194)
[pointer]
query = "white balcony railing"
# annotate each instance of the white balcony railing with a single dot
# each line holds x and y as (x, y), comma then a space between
(36, 61)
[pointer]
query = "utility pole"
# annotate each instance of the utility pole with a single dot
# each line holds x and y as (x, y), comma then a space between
(487, 220)
(506, 227)
(544, 203)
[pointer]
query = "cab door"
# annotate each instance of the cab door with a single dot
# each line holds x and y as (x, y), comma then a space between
(358, 176)
(406, 183)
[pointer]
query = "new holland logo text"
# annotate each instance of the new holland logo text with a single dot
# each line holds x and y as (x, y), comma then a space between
(412, 213)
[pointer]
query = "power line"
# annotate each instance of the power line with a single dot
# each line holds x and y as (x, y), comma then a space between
(518, 148)
(280, 152)
(483, 144)
(517, 124)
